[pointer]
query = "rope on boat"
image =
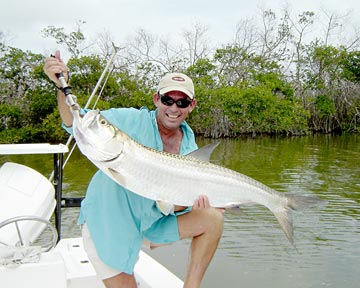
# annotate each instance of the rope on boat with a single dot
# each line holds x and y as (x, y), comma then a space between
(12, 257)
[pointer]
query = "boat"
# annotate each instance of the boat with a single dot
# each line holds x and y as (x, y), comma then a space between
(28, 200)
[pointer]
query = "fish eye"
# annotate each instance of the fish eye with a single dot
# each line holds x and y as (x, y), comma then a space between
(103, 121)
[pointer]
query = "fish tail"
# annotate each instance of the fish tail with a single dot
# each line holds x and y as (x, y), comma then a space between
(284, 214)
(284, 217)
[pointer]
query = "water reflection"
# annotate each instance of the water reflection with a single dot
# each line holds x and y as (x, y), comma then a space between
(254, 252)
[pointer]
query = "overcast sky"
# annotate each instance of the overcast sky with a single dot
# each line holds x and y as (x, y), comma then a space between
(22, 20)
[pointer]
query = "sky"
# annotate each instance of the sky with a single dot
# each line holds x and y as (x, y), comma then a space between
(22, 21)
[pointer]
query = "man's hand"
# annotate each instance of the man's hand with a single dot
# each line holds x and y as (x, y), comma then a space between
(55, 65)
(52, 66)
(203, 202)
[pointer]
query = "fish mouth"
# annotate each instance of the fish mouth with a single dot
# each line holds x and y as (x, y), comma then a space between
(89, 118)
(86, 138)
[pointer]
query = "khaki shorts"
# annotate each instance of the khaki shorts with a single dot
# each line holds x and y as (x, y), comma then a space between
(102, 270)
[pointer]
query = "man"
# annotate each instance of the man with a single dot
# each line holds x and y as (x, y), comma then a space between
(116, 221)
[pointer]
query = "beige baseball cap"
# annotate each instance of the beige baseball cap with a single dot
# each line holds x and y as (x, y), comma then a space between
(177, 82)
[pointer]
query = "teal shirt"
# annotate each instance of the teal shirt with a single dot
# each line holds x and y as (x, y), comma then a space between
(118, 220)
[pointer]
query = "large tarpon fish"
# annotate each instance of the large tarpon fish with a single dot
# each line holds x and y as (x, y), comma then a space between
(175, 179)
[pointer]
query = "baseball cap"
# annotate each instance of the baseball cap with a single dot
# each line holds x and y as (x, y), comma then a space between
(177, 82)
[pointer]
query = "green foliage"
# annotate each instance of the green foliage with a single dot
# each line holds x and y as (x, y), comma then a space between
(207, 118)
(50, 129)
(202, 73)
(131, 92)
(351, 64)
(258, 110)
(85, 72)
(229, 111)
(240, 89)
(324, 114)
(13, 135)
(10, 116)
(324, 106)
(41, 104)
(235, 65)
(47, 130)
(17, 75)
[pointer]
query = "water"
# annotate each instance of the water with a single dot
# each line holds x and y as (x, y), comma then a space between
(253, 251)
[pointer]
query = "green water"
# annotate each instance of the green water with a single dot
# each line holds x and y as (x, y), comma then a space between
(254, 251)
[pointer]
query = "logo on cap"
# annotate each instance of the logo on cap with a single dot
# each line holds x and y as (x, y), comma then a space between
(178, 78)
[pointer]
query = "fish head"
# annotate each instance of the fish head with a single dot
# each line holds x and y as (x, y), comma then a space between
(96, 137)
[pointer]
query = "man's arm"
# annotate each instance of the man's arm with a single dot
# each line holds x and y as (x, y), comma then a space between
(64, 109)
(52, 66)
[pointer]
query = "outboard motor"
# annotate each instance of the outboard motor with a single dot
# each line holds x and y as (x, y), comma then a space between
(24, 192)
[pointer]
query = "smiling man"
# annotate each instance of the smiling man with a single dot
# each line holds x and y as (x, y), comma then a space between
(116, 222)
(174, 101)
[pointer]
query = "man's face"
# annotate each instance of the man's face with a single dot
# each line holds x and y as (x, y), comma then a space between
(170, 117)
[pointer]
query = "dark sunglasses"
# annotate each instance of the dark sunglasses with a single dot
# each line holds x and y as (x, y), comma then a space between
(168, 101)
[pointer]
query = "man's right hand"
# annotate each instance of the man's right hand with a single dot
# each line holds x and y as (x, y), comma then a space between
(54, 65)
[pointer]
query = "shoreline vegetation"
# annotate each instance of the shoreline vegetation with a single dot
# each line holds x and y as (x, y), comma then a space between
(269, 81)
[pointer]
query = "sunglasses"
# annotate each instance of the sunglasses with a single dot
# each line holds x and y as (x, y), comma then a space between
(168, 101)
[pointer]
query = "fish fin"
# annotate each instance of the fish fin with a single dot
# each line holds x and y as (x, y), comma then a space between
(284, 218)
(297, 202)
(232, 206)
(235, 209)
(204, 152)
(294, 202)
(118, 177)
